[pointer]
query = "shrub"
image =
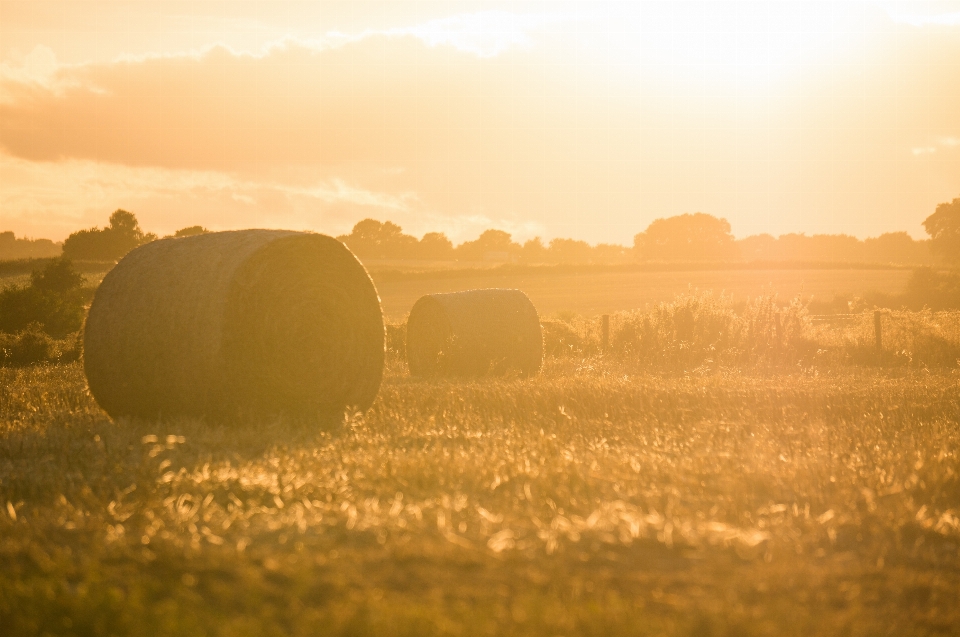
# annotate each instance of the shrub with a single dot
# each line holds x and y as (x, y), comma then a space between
(699, 329)
(560, 338)
(29, 347)
(54, 300)
(397, 341)
(933, 290)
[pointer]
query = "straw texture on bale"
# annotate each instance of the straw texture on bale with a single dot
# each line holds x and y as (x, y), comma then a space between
(474, 333)
(229, 323)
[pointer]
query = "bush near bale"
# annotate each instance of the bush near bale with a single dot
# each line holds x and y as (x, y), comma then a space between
(397, 340)
(703, 331)
(702, 328)
(54, 300)
(27, 348)
(560, 338)
(33, 346)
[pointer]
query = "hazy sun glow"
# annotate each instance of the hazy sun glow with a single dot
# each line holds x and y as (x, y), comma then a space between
(574, 119)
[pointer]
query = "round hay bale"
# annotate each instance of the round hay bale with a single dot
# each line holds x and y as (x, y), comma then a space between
(473, 333)
(229, 323)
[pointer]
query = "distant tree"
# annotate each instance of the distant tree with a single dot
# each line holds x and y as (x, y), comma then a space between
(436, 245)
(569, 251)
(943, 226)
(373, 239)
(190, 231)
(489, 244)
(533, 251)
(53, 300)
(120, 237)
(687, 237)
(363, 240)
(896, 247)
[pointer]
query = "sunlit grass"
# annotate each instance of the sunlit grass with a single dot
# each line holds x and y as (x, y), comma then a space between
(593, 499)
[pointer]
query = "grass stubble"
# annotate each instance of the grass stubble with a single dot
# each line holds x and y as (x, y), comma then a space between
(594, 499)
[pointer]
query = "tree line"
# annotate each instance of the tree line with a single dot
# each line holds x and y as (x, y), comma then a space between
(688, 237)
(13, 248)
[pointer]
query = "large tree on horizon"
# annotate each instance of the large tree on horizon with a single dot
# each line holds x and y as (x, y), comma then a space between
(687, 237)
(943, 226)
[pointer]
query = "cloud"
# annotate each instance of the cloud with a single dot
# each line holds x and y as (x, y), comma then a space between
(485, 34)
(428, 127)
(39, 69)
(223, 110)
(55, 199)
(923, 15)
(943, 142)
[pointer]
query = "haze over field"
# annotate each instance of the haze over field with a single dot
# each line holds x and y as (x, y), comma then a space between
(557, 119)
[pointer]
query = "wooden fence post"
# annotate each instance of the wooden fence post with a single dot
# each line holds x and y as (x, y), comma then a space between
(605, 330)
(878, 329)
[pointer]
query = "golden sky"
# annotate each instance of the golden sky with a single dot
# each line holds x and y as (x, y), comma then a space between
(579, 119)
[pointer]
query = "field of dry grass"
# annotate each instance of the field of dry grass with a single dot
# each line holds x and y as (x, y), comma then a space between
(598, 498)
(589, 293)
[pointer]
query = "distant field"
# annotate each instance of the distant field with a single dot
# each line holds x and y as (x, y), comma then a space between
(595, 293)
(588, 290)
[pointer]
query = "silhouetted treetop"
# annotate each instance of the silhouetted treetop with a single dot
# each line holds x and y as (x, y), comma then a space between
(372, 239)
(491, 244)
(943, 226)
(436, 245)
(687, 237)
(120, 237)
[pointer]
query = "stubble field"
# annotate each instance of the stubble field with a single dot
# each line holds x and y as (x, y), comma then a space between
(594, 499)
(721, 469)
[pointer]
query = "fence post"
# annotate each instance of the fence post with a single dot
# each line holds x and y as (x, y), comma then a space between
(605, 330)
(779, 325)
(878, 329)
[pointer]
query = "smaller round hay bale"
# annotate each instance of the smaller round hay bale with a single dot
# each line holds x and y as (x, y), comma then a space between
(229, 323)
(473, 333)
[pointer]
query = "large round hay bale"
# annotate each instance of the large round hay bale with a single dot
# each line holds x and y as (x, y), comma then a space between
(473, 333)
(228, 323)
